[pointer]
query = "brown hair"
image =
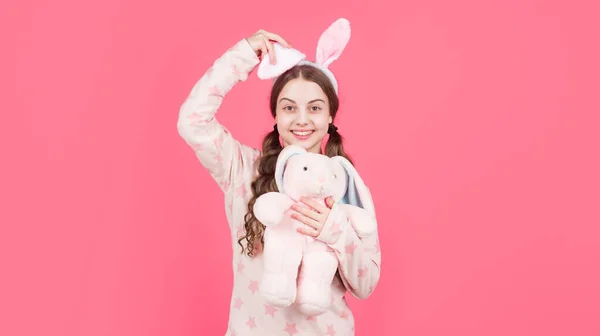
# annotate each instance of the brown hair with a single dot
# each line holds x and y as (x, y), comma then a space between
(271, 147)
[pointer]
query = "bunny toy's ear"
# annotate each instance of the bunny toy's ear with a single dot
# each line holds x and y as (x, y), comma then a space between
(285, 59)
(282, 159)
(358, 196)
(357, 193)
(332, 42)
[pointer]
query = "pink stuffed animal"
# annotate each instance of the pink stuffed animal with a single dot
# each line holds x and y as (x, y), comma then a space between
(298, 268)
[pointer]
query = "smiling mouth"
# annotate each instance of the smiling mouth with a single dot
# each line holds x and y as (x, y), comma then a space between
(302, 133)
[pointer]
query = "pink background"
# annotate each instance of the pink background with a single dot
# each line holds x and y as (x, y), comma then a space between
(482, 117)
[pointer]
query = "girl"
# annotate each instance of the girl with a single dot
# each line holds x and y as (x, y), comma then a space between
(304, 104)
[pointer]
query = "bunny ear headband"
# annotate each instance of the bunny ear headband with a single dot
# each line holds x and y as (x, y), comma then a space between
(329, 48)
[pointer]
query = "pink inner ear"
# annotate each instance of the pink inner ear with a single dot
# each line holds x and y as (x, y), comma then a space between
(332, 42)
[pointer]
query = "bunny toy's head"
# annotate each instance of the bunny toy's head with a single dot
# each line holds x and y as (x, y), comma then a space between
(299, 173)
(306, 174)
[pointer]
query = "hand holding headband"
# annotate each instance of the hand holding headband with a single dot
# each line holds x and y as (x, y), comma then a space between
(330, 46)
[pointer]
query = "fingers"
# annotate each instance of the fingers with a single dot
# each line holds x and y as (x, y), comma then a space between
(313, 214)
(309, 232)
(306, 212)
(320, 208)
(263, 49)
(313, 224)
(330, 202)
(270, 49)
(275, 37)
(262, 45)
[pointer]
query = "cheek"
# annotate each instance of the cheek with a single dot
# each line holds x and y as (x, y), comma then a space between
(322, 122)
(283, 119)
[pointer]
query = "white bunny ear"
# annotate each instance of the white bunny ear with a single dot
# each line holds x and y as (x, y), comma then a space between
(332, 42)
(358, 196)
(282, 159)
(285, 59)
(357, 193)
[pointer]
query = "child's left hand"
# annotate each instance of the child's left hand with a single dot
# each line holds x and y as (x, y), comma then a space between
(313, 215)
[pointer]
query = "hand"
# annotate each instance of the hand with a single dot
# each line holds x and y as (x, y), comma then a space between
(313, 214)
(261, 43)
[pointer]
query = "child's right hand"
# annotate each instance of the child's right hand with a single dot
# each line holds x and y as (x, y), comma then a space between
(261, 43)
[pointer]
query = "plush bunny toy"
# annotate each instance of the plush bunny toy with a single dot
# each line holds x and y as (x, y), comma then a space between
(299, 268)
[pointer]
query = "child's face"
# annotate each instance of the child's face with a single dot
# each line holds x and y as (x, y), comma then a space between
(303, 114)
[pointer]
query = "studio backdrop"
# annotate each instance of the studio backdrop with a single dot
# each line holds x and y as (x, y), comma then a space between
(474, 123)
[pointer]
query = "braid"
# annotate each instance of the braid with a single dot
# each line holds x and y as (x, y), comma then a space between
(335, 144)
(265, 182)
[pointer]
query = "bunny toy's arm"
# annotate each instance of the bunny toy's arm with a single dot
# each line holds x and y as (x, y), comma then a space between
(362, 222)
(352, 233)
(269, 208)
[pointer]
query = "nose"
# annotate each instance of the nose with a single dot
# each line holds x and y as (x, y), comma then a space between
(302, 118)
(321, 180)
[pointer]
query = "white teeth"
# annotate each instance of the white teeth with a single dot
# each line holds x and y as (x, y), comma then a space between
(302, 133)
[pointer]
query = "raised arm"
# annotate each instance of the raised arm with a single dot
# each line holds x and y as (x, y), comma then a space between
(217, 150)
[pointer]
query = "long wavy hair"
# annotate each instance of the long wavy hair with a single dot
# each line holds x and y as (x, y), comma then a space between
(271, 147)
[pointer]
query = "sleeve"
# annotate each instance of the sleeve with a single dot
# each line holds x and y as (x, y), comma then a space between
(216, 149)
(359, 257)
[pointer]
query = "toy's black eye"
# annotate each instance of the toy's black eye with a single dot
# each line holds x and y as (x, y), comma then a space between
(305, 168)
(334, 176)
